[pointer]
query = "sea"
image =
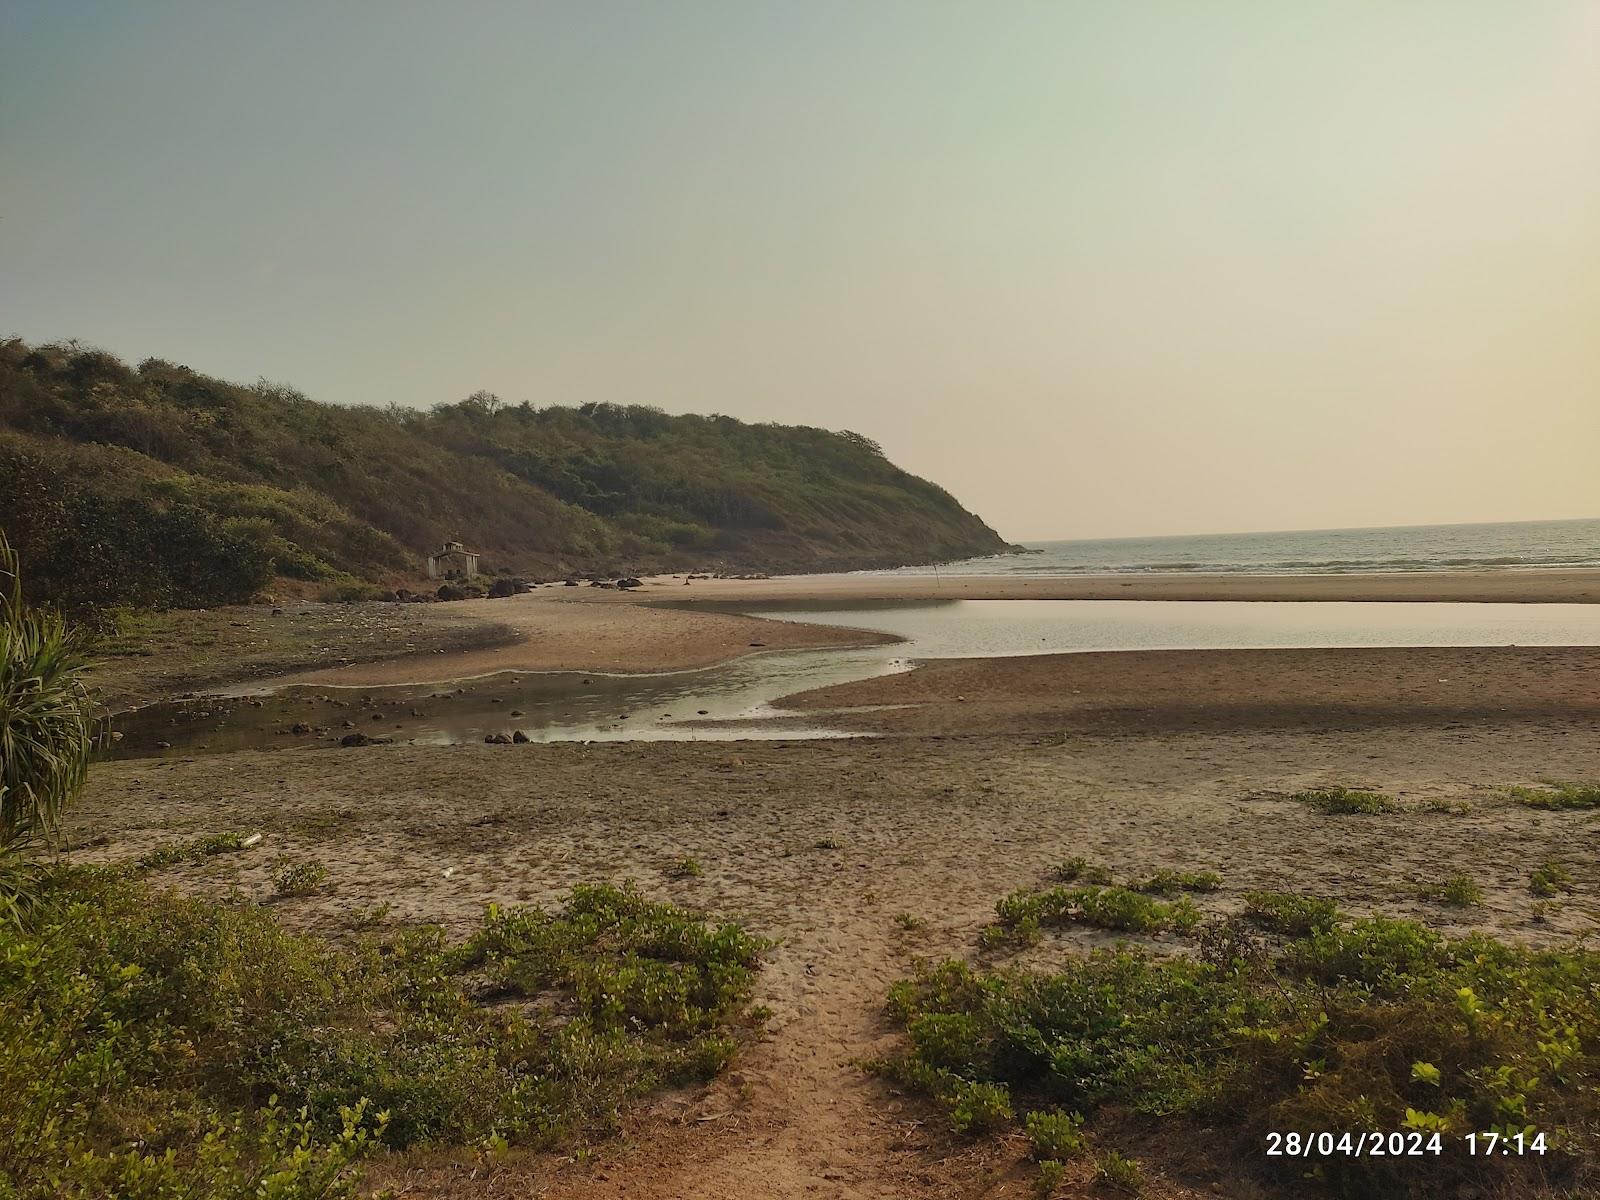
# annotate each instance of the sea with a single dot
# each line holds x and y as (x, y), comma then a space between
(1517, 544)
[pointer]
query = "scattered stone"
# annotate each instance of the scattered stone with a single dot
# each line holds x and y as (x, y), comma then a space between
(519, 737)
(300, 727)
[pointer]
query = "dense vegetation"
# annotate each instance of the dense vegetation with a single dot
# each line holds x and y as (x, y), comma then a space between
(159, 486)
(1291, 1018)
(154, 1045)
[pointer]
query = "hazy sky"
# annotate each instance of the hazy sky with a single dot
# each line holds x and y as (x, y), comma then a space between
(1099, 268)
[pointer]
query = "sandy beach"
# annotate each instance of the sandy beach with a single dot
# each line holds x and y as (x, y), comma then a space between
(860, 855)
(824, 845)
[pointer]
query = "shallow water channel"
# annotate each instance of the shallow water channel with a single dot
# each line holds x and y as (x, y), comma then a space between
(722, 702)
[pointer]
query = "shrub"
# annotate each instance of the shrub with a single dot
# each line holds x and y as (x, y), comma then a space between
(980, 1107)
(1549, 879)
(1056, 1135)
(1558, 795)
(298, 879)
(1118, 1171)
(1383, 1025)
(1081, 870)
(142, 1018)
(1286, 912)
(1167, 882)
(1051, 1173)
(1458, 891)
(1340, 800)
(173, 853)
(1022, 912)
(686, 868)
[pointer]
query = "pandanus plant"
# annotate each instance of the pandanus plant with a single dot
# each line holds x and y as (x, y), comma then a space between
(47, 722)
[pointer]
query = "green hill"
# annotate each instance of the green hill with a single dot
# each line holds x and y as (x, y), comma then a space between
(156, 485)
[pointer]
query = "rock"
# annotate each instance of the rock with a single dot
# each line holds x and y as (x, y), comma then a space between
(519, 737)
(517, 712)
(569, 583)
(300, 727)
(355, 739)
(496, 739)
(449, 591)
(163, 745)
(629, 582)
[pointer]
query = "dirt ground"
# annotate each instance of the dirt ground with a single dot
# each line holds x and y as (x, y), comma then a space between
(822, 845)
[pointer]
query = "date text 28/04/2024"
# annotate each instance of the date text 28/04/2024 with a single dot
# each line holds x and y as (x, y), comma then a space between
(1412, 1143)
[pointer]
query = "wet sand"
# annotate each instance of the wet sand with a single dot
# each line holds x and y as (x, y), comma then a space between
(547, 633)
(1170, 690)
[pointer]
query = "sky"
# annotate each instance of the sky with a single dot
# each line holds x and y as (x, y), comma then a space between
(1100, 269)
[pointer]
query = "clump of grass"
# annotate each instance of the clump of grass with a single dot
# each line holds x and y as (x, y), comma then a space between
(1557, 795)
(1375, 1024)
(1051, 1173)
(1167, 882)
(686, 868)
(299, 878)
(182, 1018)
(910, 923)
(1022, 913)
(1458, 891)
(1081, 870)
(1342, 800)
(172, 853)
(1288, 912)
(1549, 879)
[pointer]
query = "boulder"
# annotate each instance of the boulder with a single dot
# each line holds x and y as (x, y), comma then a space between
(519, 737)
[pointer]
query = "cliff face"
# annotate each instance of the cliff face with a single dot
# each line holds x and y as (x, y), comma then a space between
(156, 485)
